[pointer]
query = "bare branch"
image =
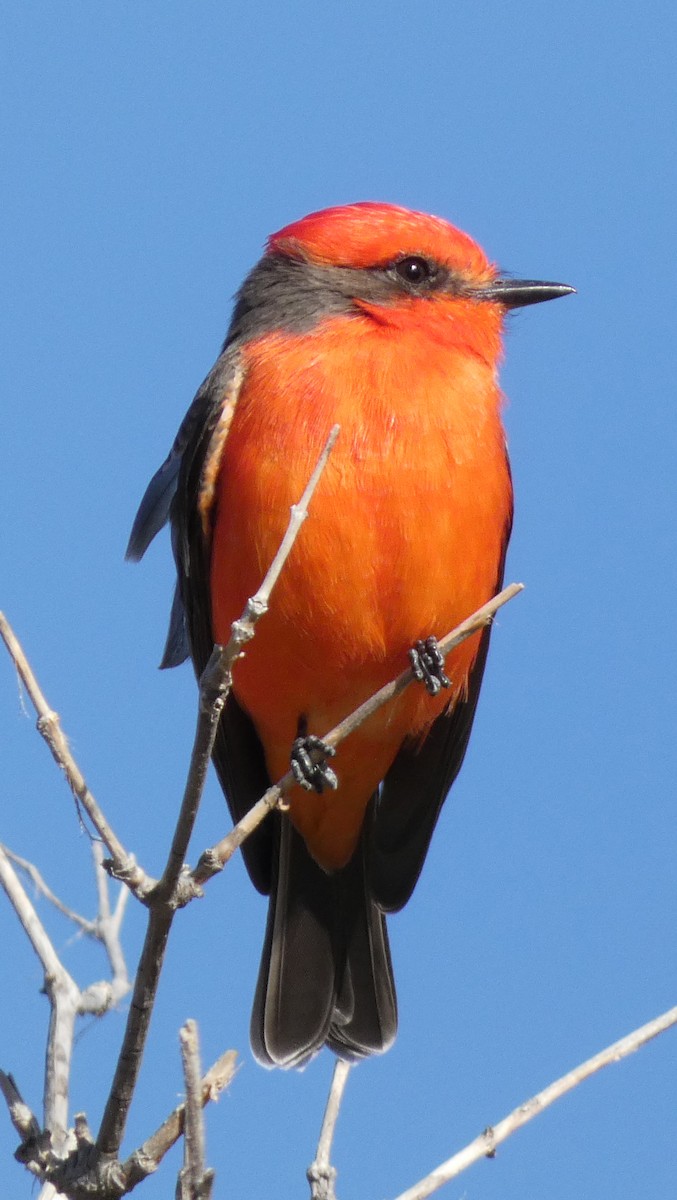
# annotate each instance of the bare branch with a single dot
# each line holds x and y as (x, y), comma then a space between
(82, 1172)
(64, 997)
(44, 1150)
(101, 880)
(147, 1158)
(128, 1065)
(485, 1145)
(176, 886)
(105, 928)
(23, 907)
(321, 1175)
(23, 1120)
(194, 1182)
(478, 620)
(49, 727)
(215, 858)
(29, 868)
(216, 678)
(259, 603)
(107, 931)
(99, 997)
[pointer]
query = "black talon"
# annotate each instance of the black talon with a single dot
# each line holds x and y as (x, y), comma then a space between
(311, 775)
(428, 665)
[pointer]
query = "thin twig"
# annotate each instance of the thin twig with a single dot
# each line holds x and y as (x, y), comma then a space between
(259, 603)
(33, 927)
(194, 1182)
(49, 727)
(67, 1000)
(321, 1175)
(216, 679)
(101, 996)
(102, 883)
(485, 1145)
(193, 1138)
(177, 887)
(147, 1158)
(64, 998)
(105, 928)
(109, 924)
(29, 868)
(215, 858)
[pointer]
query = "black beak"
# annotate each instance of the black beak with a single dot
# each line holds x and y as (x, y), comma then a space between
(515, 293)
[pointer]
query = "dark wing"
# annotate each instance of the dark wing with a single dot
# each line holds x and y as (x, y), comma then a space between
(155, 508)
(153, 512)
(404, 813)
(240, 765)
(198, 445)
(237, 755)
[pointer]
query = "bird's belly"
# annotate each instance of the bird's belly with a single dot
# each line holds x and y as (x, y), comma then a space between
(403, 540)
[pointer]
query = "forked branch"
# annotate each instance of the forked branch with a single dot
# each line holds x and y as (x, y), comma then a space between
(67, 1001)
(176, 887)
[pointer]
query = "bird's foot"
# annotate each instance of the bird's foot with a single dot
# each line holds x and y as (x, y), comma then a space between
(312, 775)
(428, 666)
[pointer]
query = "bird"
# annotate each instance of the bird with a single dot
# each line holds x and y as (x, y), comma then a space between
(388, 322)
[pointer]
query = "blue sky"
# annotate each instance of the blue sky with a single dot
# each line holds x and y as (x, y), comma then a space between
(148, 149)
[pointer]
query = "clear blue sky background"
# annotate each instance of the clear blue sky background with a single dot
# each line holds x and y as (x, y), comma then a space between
(147, 151)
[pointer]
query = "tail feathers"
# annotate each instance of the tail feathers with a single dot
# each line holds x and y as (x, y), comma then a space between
(294, 997)
(326, 975)
(365, 1015)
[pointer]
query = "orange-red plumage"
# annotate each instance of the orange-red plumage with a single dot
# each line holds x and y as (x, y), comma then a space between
(405, 537)
(367, 234)
(389, 323)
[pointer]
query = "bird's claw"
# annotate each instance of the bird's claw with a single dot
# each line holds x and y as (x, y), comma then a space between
(427, 665)
(312, 775)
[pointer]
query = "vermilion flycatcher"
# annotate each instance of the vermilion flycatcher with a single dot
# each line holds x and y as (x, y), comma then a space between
(389, 323)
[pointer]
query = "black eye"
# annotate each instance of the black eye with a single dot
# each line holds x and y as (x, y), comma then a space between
(414, 269)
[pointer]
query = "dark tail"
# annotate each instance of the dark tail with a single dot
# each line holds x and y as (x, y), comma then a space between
(326, 977)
